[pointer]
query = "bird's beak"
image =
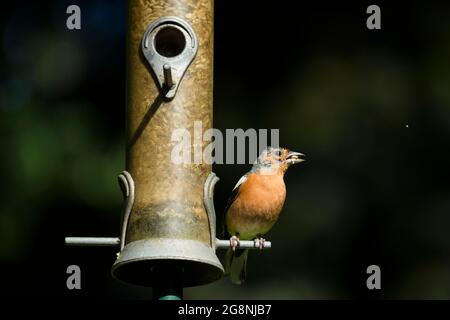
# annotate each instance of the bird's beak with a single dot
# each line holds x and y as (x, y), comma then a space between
(295, 157)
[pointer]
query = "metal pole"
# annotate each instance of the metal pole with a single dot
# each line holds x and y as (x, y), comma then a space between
(168, 287)
(115, 242)
(92, 241)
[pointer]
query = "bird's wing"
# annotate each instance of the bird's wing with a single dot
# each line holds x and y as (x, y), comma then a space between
(233, 196)
(241, 181)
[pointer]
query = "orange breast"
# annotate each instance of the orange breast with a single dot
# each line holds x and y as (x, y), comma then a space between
(257, 206)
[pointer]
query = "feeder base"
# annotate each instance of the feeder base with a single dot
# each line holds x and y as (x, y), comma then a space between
(194, 262)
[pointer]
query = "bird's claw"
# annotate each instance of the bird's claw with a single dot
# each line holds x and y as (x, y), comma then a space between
(234, 242)
(259, 242)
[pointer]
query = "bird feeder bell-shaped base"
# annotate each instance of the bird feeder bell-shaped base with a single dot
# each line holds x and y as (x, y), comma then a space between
(191, 262)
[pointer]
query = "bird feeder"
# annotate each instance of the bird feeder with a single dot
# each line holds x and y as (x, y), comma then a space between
(169, 223)
(166, 225)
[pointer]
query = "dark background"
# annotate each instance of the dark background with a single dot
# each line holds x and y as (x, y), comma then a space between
(370, 109)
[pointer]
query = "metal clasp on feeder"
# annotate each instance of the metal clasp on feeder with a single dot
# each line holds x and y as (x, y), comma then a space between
(169, 45)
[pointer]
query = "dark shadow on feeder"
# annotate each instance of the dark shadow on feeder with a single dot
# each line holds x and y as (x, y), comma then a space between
(145, 120)
(152, 108)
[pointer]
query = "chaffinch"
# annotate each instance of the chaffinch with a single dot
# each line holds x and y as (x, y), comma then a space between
(255, 204)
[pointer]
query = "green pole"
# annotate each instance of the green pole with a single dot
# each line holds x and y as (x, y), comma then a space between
(167, 285)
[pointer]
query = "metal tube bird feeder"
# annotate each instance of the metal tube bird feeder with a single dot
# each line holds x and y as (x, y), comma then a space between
(169, 87)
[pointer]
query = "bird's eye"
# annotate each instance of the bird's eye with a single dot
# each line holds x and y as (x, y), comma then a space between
(278, 153)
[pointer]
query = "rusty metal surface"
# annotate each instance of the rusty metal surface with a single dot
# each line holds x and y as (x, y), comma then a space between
(169, 197)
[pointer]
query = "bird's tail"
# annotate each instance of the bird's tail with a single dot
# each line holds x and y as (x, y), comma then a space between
(236, 265)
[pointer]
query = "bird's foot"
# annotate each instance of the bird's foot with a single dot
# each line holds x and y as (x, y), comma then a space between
(234, 242)
(259, 242)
